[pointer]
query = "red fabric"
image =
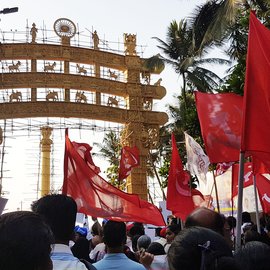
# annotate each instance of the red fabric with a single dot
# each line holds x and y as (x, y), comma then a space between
(259, 167)
(248, 177)
(96, 197)
(220, 117)
(130, 158)
(179, 199)
(256, 109)
(263, 187)
(223, 167)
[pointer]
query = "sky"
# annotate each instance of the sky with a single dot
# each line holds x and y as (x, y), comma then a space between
(145, 18)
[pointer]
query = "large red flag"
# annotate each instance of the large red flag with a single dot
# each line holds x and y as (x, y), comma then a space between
(256, 109)
(96, 197)
(248, 177)
(258, 166)
(179, 197)
(220, 117)
(263, 187)
(130, 158)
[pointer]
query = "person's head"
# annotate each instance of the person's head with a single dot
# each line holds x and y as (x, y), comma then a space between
(80, 232)
(231, 222)
(253, 255)
(206, 218)
(25, 242)
(171, 231)
(134, 241)
(59, 211)
(114, 234)
(198, 248)
(143, 242)
(136, 230)
(157, 231)
(246, 217)
(156, 248)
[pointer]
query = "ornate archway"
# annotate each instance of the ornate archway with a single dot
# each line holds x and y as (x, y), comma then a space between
(57, 80)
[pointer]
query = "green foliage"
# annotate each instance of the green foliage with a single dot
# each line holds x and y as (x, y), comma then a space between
(110, 150)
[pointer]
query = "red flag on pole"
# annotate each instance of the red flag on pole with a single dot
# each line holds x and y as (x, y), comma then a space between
(130, 158)
(263, 187)
(256, 109)
(220, 117)
(248, 177)
(179, 196)
(96, 197)
(223, 167)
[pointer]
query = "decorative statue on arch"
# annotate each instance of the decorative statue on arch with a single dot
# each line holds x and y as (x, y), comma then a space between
(15, 96)
(130, 44)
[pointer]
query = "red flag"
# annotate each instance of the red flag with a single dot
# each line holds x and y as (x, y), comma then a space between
(130, 158)
(220, 117)
(258, 166)
(179, 197)
(263, 187)
(256, 109)
(223, 167)
(96, 197)
(248, 177)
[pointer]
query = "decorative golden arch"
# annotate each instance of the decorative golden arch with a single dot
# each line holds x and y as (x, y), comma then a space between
(141, 123)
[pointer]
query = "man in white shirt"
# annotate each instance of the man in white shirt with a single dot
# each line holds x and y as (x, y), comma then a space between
(59, 212)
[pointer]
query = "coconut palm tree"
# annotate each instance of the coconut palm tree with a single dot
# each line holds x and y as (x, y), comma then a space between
(110, 150)
(227, 20)
(189, 62)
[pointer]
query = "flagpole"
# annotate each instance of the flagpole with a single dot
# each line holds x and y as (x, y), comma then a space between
(216, 191)
(256, 204)
(240, 200)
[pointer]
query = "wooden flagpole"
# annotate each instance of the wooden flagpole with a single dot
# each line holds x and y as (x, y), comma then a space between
(256, 205)
(240, 200)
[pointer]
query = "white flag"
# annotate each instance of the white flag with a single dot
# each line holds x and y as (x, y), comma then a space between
(197, 160)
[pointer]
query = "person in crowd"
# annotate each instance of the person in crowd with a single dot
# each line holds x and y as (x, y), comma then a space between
(25, 242)
(161, 236)
(198, 248)
(253, 255)
(212, 220)
(97, 251)
(206, 218)
(114, 234)
(171, 232)
(80, 249)
(160, 257)
(59, 211)
(246, 222)
(156, 249)
(143, 242)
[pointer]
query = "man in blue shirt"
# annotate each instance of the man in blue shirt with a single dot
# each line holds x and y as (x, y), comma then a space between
(114, 235)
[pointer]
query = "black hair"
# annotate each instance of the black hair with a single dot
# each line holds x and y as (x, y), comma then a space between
(114, 234)
(246, 217)
(59, 211)
(156, 248)
(254, 255)
(175, 228)
(231, 220)
(25, 241)
(195, 247)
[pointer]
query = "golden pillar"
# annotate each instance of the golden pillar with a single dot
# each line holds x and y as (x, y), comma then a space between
(46, 160)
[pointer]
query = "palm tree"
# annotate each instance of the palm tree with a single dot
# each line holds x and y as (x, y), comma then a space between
(187, 60)
(110, 150)
(227, 20)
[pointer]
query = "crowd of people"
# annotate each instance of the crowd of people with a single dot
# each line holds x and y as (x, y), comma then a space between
(46, 238)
